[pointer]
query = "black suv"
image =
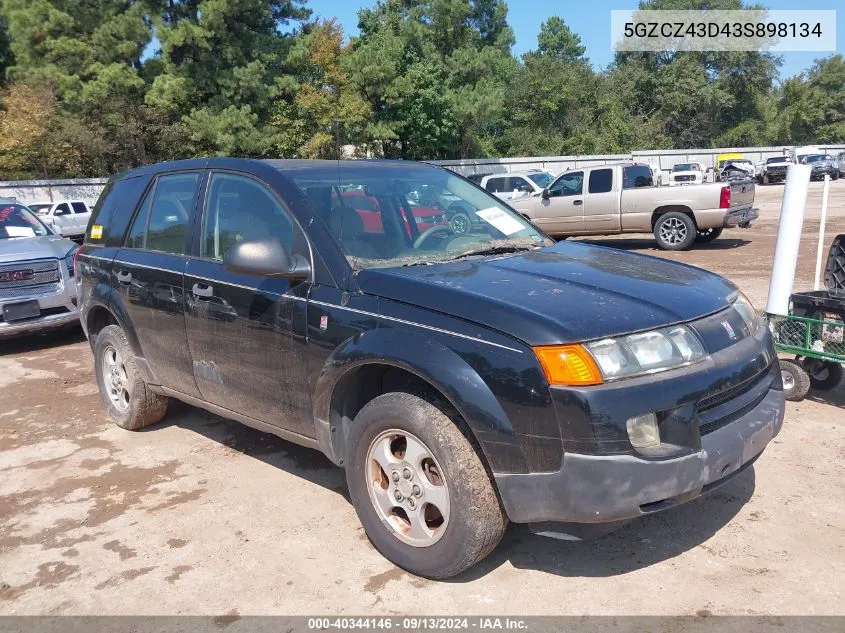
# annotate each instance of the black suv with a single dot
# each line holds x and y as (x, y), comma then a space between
(462, 380)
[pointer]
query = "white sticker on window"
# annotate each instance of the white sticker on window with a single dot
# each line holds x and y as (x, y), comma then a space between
(20, 231)
(500, 220)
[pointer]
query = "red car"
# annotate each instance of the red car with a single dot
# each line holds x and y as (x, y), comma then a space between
(370, 212)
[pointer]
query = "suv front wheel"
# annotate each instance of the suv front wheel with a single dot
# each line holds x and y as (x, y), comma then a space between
(419, 487)
(130, 402)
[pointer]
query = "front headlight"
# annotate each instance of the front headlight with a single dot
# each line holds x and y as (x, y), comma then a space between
(68, 260)
(749, 316)
(647, 352)
(623, 357)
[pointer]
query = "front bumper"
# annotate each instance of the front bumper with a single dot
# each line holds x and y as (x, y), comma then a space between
(740, 217)
(614, 488)
(58, 307)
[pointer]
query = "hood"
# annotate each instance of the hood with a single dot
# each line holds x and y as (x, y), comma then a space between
(566, 293)
(16, 249)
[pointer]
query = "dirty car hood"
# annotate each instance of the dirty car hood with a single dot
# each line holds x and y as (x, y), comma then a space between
(17, 249)
(564, 293)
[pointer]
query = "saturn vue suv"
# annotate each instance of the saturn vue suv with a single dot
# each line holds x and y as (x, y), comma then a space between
(462, 380)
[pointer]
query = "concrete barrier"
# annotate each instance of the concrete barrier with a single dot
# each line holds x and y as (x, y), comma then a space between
(35, 191)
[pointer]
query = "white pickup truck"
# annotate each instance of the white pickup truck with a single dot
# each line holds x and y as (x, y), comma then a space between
(67, 217)
(622, 198)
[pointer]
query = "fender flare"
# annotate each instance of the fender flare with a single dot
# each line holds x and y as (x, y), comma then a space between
(429, 360)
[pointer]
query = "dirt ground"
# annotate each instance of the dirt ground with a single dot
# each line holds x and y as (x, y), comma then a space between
(199, 515)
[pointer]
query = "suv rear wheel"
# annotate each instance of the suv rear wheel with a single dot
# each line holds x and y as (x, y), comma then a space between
(419, 487)
(130, 402)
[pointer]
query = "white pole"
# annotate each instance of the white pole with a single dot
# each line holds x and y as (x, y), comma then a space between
(789, 238)
(821, 231)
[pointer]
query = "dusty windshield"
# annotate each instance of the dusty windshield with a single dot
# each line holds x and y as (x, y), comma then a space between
(406, 214)
(18, 221)
(686, 167)
(40, 209)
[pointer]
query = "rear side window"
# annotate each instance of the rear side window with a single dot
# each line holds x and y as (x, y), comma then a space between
(79, 207)
(636, 176)
(162, 221)
(496, 185)
(601, 181)
(113, 211)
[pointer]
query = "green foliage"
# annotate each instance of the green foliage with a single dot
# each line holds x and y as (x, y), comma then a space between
(85, 94)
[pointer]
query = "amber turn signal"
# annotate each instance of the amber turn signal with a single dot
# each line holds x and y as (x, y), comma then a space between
(570, 365)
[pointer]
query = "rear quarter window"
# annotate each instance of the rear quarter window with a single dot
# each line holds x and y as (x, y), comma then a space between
(114, 210)
(636, 176)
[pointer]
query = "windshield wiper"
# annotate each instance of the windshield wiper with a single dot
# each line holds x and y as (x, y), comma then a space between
(496, 250)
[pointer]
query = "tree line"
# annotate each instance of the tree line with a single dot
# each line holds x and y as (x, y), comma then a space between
(93, 87)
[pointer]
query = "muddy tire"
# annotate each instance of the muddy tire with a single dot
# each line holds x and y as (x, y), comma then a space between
(675, 231)
(420, 488)
(796, 381)
(129, 401)
(707, 235)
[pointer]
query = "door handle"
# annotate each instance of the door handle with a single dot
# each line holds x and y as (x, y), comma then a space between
(202, 290)
(577, 202)
(124, 277)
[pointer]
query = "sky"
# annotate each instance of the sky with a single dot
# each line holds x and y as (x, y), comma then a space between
(590, 20)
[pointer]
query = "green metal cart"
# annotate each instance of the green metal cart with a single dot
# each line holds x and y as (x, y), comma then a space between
(818, 347)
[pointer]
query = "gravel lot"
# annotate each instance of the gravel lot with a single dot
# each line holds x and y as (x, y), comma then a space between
(199, 515)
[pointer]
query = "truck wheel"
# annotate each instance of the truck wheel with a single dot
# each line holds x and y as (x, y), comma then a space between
(765, 179)
(824, 375)
(796, 381)
(675, 231)
(835, 176)
(129, 401)
(419, 487)
(708, 235)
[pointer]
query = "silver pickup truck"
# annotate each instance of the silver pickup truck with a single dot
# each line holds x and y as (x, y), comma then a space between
(622, 198)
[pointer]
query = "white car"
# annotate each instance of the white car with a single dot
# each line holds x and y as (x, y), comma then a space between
(67, 217)
(516, 184)
(686, 174)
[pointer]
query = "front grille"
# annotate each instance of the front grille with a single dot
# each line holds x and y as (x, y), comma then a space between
(30, 291)
(715, 411)
(731, 392)
(684, 178)
(44, 271)
(776, 170)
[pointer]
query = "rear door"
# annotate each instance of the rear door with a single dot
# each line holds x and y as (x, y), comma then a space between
(247, 334)
(601, 203)
(563, 210)
(149, 276)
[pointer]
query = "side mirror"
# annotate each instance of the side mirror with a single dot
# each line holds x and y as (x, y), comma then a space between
(545, 194)
(266, 258)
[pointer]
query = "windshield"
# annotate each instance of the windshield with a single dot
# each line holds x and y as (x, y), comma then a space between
(18, 221)
(40, 209)
(815, 158)
(405, 214)
(542, 179)
(686, 167)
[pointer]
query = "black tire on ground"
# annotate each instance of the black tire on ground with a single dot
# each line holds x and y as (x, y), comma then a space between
(835, 175)
(824, 375)
(675, 231)
(708, 235)
(476, 521)
(141, 407)
(796, 381)
(765, 179)
(460, 223)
